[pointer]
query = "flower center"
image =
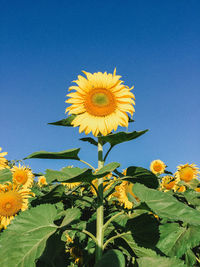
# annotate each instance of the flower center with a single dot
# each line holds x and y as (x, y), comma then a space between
(157, 167)
(10, 203)
(20, 176)
(100, 102)
(186, 174)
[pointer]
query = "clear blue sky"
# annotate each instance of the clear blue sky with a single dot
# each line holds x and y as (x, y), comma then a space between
(155, 45)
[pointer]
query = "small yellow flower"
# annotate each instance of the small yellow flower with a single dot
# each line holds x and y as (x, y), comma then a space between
(22, 176)
(101, 102)
(106, 184)
(168, 183)
(181, 189)
(197, 189)
(187, 172)
(3, 161)
(42, 181)
(157, 166)
(13, 198)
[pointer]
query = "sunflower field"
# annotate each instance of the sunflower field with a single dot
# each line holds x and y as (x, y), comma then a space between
(105, 216)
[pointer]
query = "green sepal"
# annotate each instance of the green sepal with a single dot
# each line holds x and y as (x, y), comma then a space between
(66, 154)
(64, 122)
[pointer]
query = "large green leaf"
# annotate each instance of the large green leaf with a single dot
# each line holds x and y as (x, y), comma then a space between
(66, 154)
(138, 251)
(159, 261)
(64, 122)
(5, 175)
(166, 206)
(117, 138)
(113, 257)
(176, 240)
(144, 229)
(71, 215)
(70, 175)
(107, 169)
(25, 239)
(142, 176)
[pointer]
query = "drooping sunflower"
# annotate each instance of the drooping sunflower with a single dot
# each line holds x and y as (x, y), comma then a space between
(23, 176)
(157, 166)
(13, 198)
(168, 183)
(122, 192)
(101, 102)
(3, 161)
(42, 181)
(187, 172)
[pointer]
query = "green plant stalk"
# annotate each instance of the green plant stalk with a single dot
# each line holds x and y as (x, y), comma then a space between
(100, 215)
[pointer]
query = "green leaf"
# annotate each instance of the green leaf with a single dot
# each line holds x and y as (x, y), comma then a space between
(113, 257)
(71, 215)
(66, 154)
(5, 175)
(64, 122)
(55, 195)
(90, 140)
(166, 206)
(118, 138)
(190, 258)
(142, 176)
(138, 251)
(144, 229)
(24, 241)
(176, 240)
(69, 175)
(107, 169)
(54, 253)
(192, 197)
(159, 261)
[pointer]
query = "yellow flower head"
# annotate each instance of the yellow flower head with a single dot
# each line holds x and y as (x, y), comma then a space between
(122, 191)
(197, 189)
(157, 166)
(168, 183)
(187, 172)
(3, 161)
(42, 181)
(13, 199)
(23, 176)
(101, 101)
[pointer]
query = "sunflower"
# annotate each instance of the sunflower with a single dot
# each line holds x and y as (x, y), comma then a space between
(3, 161)
(122, 192)
(197, 189)
(101, 101)
(187, 172)
(157, 166)
(168, 183)
(23, 176)
(42, 181)
(13, 198)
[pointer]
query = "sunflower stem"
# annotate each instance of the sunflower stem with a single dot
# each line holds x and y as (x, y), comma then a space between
(100, 215)
(88, 164)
